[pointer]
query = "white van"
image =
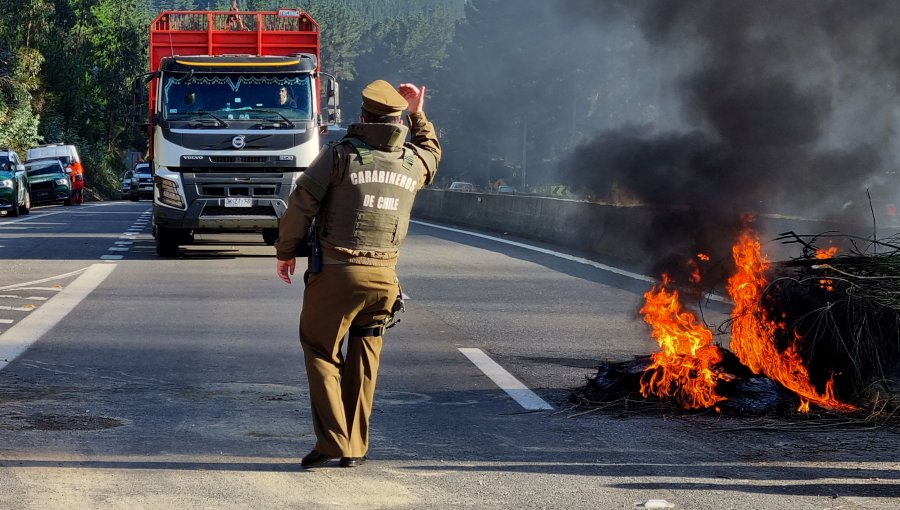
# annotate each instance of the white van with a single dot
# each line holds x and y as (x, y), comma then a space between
(66, 154)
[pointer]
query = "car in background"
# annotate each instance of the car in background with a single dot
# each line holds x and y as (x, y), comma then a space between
(503, 188)
(15, 198)
(141, 183)
(461, 186)
(49, 181)
(68, 156)
(125, 184)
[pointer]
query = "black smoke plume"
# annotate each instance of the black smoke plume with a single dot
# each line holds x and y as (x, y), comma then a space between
(786, 107)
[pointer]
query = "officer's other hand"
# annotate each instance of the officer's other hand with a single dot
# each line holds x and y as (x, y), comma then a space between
(285, 268)
(415, 96)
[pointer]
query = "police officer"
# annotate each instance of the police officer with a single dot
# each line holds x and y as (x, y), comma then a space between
(360, 192)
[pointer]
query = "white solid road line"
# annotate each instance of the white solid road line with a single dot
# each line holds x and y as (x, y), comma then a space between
(30, 329)
(518, 391)
(29, 285)
(580, 260)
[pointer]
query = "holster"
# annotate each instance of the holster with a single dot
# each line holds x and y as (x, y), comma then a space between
(313, 252)
(379, 328)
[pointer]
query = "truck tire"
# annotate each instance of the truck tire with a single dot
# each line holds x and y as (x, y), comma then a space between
(14, 210)
(167, 242)
(270, 235)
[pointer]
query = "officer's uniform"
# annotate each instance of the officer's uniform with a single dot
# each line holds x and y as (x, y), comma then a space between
(361, 191)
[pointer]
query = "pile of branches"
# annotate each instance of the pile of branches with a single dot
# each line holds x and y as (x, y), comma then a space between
(841, 311)
(837, 305)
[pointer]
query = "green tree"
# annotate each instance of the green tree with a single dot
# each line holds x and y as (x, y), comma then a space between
(412, 47)
(18, 78)
(341, 30)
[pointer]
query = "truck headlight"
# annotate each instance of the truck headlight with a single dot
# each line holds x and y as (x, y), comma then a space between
(167, 190)
(6, 183)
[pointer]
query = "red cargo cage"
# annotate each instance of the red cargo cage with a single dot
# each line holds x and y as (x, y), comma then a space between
(277, 33)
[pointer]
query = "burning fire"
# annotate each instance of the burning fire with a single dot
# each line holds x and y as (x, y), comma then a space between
(823, 254)
(826, 253)
(682, 369)
(753, 333)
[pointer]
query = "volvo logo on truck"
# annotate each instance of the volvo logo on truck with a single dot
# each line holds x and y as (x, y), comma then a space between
(238, 142)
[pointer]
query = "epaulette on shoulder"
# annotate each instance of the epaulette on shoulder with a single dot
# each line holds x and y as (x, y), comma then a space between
(361, 148)
(409, 158)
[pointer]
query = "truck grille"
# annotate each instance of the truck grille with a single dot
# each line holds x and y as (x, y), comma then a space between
(238, 159)
(259, 210)
(218, 191)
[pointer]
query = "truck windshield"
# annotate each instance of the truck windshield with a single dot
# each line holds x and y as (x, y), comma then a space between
(240, 97)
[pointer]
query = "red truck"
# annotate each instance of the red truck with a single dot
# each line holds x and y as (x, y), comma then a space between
(234, 115)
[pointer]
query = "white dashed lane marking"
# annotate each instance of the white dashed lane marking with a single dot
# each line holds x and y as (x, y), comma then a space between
(505, 381)
(25, 308)
(126, 240)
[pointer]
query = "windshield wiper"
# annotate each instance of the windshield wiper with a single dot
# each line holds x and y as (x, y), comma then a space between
(202, 122)
(273, 112)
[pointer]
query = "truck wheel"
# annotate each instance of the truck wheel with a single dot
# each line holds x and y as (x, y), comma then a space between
(167, 242)
(26, 206)
(270, 235)
(14, 211)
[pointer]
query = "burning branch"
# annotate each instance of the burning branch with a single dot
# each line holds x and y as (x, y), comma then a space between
(753, 333)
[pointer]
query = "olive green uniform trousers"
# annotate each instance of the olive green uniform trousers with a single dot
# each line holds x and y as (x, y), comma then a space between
(341, 390)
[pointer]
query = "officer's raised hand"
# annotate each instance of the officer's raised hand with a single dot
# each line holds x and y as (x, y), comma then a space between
(414, 96)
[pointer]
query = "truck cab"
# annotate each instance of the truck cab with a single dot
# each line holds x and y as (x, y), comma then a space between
(231, 132)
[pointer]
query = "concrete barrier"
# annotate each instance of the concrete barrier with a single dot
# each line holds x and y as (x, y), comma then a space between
(600, 229)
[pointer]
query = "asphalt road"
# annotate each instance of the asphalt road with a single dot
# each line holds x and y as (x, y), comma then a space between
(179, 383)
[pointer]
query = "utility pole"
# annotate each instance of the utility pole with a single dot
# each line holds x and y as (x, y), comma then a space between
(524, 150)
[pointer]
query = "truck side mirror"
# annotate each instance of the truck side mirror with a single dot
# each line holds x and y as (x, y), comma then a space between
(332, 101)
(139, 97)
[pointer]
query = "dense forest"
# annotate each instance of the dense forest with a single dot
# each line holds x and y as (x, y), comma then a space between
(652, 102)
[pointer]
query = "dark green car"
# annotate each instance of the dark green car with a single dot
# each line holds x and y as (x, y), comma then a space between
(48, 181)
(15, 197)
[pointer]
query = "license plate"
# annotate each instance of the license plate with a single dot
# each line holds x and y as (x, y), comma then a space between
(238, 202)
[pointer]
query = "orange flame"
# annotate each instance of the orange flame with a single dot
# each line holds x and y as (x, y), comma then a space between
(682, 369)
(695, 269)
(826, 253)
(753, 333)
